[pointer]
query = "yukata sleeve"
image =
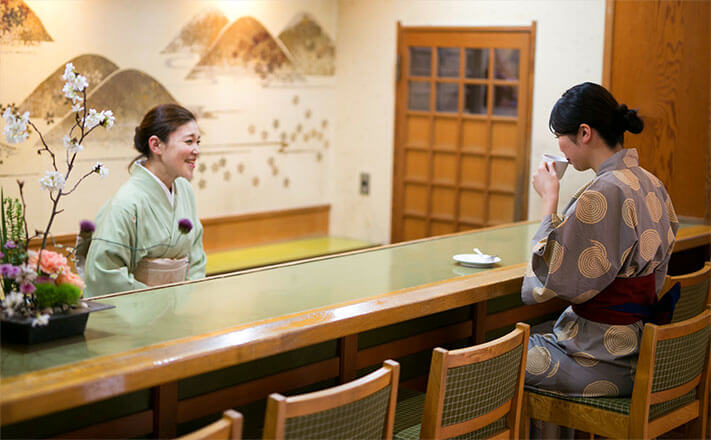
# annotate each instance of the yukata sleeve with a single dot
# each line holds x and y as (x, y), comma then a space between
(574, 259)
(197, 258)
(112, 254)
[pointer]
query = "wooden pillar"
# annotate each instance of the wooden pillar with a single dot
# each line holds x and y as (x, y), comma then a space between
(478, 323)
(348, 354)
(165, 410)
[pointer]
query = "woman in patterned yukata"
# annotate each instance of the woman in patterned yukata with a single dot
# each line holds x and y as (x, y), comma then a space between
(137, 241)
(607, 254)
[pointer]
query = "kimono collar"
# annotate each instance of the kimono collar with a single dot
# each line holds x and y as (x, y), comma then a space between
(168, 192)
(625, 158)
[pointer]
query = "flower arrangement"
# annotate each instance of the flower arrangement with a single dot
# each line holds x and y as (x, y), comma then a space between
(36, 284)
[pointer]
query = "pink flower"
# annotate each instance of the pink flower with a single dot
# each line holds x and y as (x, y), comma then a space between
(27, 288)
(67, 277)
(51, 263)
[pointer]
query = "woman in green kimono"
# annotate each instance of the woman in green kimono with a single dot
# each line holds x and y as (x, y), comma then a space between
(149, 232)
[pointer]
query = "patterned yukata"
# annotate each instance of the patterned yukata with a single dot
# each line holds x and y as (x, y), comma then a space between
(620, 225)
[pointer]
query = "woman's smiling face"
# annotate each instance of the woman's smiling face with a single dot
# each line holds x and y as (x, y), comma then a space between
(181, 151)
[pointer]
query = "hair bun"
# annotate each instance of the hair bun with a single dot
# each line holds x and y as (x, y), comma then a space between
(629, 120)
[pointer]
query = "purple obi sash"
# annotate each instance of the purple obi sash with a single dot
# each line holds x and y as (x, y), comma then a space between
(628, 300)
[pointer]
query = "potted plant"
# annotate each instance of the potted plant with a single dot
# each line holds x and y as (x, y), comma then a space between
(41, 296)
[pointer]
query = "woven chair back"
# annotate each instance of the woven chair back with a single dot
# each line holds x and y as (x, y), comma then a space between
(691, 302)
(679, 360)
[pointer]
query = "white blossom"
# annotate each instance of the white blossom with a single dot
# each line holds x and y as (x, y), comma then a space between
(40, 320)
(12, 300)
(74, 83)
(108, 118)
(16, 127)
(101, 170)
(52, 181)
(27, 274)
(69, 72)
(72, 144)
(93, 119)
(76, 108)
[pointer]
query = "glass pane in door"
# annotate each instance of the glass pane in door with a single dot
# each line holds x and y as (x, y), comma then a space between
(419, 95)
(477, 63)
(447, 97)
(420, 61)
(505, 100)
(475, 99)
(506, 63)
(448, 62)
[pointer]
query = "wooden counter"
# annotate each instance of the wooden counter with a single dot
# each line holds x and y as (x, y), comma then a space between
(156, 337)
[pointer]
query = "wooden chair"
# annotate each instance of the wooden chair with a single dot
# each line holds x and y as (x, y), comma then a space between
(363, 408)
(671, 388)
(229, 427)
(475, 391)
(695, 292)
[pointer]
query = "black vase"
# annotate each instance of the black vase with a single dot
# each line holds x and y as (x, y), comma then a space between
(61, 325)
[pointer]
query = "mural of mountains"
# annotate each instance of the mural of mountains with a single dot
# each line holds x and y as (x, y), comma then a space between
(247, 45)
(197, 35)
(312, 49)
(129, 94)
(47, 97)
(19, 24)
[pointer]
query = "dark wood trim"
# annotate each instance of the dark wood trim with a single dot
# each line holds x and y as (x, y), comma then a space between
(135, 425)
(347, 353)
(165, 410)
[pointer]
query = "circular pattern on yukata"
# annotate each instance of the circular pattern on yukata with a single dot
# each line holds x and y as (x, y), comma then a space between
(625, 254)
(620, 340)
(541, 294)
(654, 206)
(538, 360)
(591, 207)
(585, 296)
(592, 262)
(601, 388)
(629, 160)
(628, 178)
(567, 332)
(670, 211)
(585, 359)
(649, 242)
(670, 236)
(556, 256)
(554, 370)
(629, 213)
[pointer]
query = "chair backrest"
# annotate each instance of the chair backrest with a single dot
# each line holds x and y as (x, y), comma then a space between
(363, 408)
(229, 427)
(695, 292)
(477, 389)
(673, 368)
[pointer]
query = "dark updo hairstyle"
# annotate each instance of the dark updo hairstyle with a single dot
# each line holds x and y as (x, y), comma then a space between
(590, 103)
(160, 121)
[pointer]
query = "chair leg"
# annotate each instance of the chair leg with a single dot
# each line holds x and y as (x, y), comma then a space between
(524, 431)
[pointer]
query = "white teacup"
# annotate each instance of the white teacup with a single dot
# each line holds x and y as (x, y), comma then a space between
(560, 163)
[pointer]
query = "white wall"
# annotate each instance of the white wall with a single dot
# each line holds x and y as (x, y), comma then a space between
(569, 48)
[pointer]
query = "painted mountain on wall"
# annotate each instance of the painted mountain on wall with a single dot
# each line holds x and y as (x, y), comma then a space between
(20, 25)
(311, 48)
(246, 46)
(129, 93)
(47, 98)
(198, 34)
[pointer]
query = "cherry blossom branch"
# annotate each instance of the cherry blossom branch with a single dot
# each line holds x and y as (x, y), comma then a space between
(78, 182)
(46, 147)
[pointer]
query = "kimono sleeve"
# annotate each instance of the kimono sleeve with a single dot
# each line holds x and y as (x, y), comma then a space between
(197, 258)
(113, 253)
(577, 258)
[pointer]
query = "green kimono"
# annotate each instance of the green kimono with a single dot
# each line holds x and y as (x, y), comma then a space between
(139, 222)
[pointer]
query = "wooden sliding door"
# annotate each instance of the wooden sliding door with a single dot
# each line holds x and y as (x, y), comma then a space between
(462, 128)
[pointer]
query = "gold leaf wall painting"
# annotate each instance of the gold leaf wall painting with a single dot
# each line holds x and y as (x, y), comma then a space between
(199, 33)
(47, 97)
(129, 108)
(246, 46)
(313, 51)
(19, 25)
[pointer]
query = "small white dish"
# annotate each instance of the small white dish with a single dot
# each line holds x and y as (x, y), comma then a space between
(476, 260)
